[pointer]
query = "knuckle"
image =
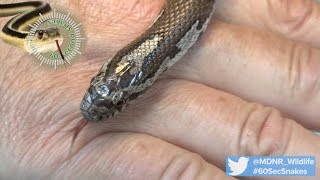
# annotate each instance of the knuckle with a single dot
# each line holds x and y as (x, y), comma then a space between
(135, 148)
(290, 15)
(297, 55)
(303, 72)
(182, 99)
(145, 153)
(134, 154)
(264, 132)
(183, 166)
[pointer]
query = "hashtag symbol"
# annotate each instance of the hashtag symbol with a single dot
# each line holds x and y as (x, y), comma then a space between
(255, 171)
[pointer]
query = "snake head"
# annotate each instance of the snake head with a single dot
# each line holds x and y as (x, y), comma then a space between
(45, 39)
(102, 100)
(51, 33)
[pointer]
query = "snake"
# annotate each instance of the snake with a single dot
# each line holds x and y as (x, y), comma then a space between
(16, 30)
(133, 69)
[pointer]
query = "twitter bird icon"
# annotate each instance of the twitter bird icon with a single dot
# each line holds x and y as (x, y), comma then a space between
(237, 168)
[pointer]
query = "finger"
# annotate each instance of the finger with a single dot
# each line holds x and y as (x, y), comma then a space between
(119, 22)
(257, 66)
(136, 156)
(53, 145)
(296, 19)
(212, 123)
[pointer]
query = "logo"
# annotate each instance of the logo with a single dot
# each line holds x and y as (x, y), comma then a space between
(238, 167)
(270, 166)
(66, 46)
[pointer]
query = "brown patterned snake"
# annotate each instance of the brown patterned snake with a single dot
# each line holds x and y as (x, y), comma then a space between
(134, 68)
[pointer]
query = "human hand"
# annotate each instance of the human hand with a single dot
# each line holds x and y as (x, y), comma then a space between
(197, 113)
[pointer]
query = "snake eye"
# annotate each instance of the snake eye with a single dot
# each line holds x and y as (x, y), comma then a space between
(40, 34)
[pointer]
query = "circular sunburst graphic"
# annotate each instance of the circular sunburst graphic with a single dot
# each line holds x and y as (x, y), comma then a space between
(62, 50)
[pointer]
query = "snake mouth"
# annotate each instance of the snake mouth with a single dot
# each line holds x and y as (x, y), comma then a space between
(88, 107)
(97, 113)
(96, 108)
(47, 45)
(100, 109)
(91, 114)
(45, 40)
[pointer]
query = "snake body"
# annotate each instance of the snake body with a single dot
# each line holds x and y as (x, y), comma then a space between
(134, 68)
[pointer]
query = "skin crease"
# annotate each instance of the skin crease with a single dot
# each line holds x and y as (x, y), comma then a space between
(214, 102)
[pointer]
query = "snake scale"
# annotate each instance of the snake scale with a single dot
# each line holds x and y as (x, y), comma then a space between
(133, 69)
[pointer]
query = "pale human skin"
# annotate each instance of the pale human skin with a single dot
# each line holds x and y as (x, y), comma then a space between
(250, 86)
